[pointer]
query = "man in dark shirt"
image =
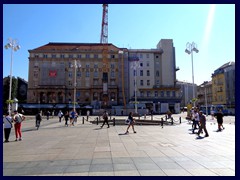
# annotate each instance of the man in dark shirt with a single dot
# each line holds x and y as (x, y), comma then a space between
(202, 119)
(219, 116)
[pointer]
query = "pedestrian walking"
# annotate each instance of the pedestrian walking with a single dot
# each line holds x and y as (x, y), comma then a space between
(18, 118)
(202, 119)
(66, 117)
(219, 117)
(72, 117)
(48, 114)
(195, 120)
(38, 119)
(105, 119)
(7, 120)
(88, 113)
(131, 123)
(60, 115)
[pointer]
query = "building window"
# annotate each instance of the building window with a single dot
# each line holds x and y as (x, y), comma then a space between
(79, 56)
(70, 56)
(78, 74)
(87, 66)
(141, 72)
(157, 73)
(70, 83)
(148, 73)
(157, 56)
(168, 93)
(157, 83)
(112, 56)
(141, 64)
(45, 56)
(95, 65)
(173, 93)
(148, 93)
(147, 64)
(162, 93)
(141, 56)
(70, 74)
(95, 73)
(112, 66)
(87, 74)
(147, 55)
(54, 56)
(141, 82)
(134, 73)
(36, 55)
(142, 94)
(88, 56)
(156, 94)
(112, 74)
(35, 74)
(96, 56)
(148, 82)
(62, 56)
(70, 65)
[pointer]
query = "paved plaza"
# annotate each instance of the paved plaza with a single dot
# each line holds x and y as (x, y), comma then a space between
(87, 150)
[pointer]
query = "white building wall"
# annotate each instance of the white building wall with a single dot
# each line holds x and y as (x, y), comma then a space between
(167, 63)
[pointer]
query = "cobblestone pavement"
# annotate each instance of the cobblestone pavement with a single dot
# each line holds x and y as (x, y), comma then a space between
(88, 150)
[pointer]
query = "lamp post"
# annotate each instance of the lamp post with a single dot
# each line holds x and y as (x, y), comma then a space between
(134, 66)
(76, 65)
(13, 44)
(190, 47)
(123, 92)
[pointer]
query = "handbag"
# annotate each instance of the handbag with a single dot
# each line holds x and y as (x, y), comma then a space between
(127, 121)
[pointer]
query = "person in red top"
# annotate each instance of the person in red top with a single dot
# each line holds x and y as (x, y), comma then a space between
(18, 118)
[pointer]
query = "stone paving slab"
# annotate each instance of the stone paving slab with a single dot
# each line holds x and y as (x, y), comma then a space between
(87, 150)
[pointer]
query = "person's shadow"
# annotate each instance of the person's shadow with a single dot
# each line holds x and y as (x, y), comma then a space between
(122, 134)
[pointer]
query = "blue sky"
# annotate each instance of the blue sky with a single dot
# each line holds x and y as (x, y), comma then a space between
(136, 26)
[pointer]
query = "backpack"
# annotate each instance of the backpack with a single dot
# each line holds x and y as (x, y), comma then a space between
(18, 119)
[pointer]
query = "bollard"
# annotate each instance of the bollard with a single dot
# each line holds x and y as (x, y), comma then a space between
(162, 122)
(180, 120)
(97, 120)
(166, 117)
(113, 121)
(151, 117)
(172, 121)
(83, 120)
(87, 118)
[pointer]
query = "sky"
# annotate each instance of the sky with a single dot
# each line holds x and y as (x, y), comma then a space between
(133, 26)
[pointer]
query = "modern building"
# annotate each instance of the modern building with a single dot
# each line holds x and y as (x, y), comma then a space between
(155, 77)
(187, 92)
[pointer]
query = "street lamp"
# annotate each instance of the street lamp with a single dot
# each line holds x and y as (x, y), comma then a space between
(76, 65)
(13, 44)
(134, 66)
(205, 92)
(190, 47)
(123, 92)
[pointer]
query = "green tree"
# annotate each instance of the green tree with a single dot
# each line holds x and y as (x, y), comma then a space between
(6, 83)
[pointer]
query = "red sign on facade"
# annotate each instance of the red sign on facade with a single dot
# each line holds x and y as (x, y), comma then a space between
(52, 73)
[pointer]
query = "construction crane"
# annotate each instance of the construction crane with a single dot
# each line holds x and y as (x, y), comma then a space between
(104, 42)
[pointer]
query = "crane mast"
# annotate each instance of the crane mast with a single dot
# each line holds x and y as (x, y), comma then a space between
(104, 42)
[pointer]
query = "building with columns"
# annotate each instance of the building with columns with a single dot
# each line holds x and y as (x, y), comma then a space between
(54, 76)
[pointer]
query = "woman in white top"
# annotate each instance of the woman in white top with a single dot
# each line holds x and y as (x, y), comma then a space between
(7, 120)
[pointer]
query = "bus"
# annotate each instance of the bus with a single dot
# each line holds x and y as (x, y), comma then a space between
(215, 108)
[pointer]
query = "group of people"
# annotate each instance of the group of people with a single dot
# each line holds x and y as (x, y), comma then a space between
(199, 119)
(8, 121)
